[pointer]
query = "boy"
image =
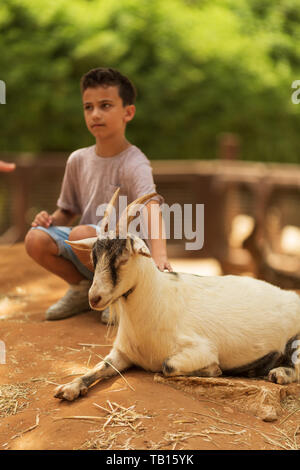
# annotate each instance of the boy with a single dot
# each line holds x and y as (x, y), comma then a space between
(91, 177)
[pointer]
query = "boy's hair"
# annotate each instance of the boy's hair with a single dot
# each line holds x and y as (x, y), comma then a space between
(109, 77)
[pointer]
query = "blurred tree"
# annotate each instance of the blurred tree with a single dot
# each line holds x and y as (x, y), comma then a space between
(201, 68)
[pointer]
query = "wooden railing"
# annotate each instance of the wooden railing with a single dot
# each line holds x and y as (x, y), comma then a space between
(226, 188)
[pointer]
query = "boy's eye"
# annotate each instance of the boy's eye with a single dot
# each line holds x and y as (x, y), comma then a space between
(89, 107)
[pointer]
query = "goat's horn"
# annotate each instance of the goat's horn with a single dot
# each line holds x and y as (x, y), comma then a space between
(128, 215)
(83, 245)
(110, 205)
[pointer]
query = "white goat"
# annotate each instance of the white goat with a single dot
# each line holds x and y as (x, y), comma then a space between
(183, 324)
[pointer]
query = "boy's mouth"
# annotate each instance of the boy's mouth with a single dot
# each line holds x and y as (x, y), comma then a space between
(98, 125)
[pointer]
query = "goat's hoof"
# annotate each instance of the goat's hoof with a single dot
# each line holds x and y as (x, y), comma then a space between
(281, 375)
(167, 369)
(70, 391)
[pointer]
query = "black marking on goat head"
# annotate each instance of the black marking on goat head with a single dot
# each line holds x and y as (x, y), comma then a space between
(113, 248)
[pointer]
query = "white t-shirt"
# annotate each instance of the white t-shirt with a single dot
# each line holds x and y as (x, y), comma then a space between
(91, 180)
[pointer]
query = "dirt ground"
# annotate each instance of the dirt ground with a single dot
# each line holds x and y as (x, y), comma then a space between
(139, 412)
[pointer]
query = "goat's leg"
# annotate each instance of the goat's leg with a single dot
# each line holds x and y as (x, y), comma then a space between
(283, 375)
(106, 368)
(198, 359)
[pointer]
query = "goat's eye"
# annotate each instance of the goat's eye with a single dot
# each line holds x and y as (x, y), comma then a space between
(106, 106)
(121, 262)
(124, 261)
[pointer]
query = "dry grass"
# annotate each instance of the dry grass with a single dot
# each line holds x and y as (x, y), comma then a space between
(37, 422)
(287, 439)
(177, 438)
(106, 441)
(120, 416)
(116, 416)
(13, 398)
(292, 405)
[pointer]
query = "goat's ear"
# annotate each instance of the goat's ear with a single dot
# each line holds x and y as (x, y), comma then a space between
(140, 247)
(83, 245)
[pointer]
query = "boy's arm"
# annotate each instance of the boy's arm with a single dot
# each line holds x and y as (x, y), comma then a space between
(62, 217)
(157, 236)
(59, 217)
(67, 198)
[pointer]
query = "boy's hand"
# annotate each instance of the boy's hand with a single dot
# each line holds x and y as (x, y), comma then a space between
(43, 219)
(7, 167)
(162, 262)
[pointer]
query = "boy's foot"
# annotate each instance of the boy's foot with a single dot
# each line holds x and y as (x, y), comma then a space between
(73, 302)
(106, 319)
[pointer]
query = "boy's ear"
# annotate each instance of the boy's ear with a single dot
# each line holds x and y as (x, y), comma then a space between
(129, 112)
(83, 245)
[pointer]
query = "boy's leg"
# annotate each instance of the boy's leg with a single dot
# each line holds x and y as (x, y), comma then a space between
(41, 247)
(47, 248)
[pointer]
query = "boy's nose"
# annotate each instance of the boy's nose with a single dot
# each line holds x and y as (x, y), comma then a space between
(97, 113)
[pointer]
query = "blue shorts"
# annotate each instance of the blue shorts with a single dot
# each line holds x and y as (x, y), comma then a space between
(59, 234)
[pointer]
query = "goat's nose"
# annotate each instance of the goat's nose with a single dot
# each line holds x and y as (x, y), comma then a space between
(95, 300)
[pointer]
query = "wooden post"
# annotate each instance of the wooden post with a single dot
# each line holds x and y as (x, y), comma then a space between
(229, 146)
(20, 200)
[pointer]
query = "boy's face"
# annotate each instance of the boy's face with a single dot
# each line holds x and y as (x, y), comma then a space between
(105, 115)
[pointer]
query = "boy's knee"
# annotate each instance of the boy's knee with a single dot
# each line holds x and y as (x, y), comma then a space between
(82, 231)
(38, 243)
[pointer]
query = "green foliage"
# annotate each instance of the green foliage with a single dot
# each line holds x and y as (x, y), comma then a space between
(200, 67)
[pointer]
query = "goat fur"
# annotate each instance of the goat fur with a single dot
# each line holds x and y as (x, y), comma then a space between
(184, 324)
